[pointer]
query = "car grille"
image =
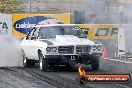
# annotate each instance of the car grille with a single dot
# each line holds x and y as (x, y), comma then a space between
(83, 49)
(66, 49)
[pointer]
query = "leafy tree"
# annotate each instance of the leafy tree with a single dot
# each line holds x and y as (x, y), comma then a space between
(9, 6)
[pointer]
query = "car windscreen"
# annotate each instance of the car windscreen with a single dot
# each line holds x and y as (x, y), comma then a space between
(52, 31)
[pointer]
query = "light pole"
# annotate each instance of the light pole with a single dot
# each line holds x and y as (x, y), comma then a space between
(108, 2)
(121, 32)
(29, 6)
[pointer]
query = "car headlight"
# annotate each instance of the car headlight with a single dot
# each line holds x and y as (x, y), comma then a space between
(51, 49)
(94, 48)
(99, 47)
(54, 49)
(48, 49)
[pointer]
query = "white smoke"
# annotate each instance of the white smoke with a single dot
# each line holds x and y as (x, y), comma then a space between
(126, 18)
(10, 52)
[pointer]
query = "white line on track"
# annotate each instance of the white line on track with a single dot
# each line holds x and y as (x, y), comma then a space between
(119, 61)
(122, 86)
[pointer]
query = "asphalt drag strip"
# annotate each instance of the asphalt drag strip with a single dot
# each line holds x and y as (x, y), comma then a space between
(59, 77)
(17, 78)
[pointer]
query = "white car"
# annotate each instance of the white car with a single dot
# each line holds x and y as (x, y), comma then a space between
(57, 44)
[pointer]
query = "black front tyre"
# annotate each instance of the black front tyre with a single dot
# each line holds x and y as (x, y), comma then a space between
(42, 63)
(95, 62)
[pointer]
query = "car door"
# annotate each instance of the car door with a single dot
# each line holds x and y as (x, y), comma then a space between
(34, 44)
(29, 44)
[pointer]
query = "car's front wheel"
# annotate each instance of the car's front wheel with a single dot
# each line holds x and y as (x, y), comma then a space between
(42, 63)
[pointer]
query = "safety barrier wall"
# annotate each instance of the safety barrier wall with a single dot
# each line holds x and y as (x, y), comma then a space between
(18, 25)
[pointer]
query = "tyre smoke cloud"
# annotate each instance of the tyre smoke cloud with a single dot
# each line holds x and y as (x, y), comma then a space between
(112, 12)
(10, 52)
(126, 37)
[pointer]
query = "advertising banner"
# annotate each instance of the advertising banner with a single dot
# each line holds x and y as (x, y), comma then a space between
(100, 31)
(5, 25)
(23, 22)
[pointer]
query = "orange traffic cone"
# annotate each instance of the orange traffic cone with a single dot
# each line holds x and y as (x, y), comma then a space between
(104, 54)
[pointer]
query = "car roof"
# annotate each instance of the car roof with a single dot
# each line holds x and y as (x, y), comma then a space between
(48, 25)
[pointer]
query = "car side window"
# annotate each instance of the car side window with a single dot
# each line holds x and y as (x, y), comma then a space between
(35, 33)
(30, 34)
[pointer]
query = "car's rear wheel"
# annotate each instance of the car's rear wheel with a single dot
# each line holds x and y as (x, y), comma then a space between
(42, 63)
(27, 62)
(95, 62)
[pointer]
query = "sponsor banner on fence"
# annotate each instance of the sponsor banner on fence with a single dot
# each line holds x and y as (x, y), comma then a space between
(23, 22)
(100, 31)
(5, 25)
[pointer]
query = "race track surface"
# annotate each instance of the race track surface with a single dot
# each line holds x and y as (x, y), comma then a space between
(59, 77)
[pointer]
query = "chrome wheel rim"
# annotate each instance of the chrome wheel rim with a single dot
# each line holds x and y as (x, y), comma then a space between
(40, 63)
(24, 59)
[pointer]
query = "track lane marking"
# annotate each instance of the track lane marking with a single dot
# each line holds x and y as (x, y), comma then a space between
(122, 86)
(119, 61)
